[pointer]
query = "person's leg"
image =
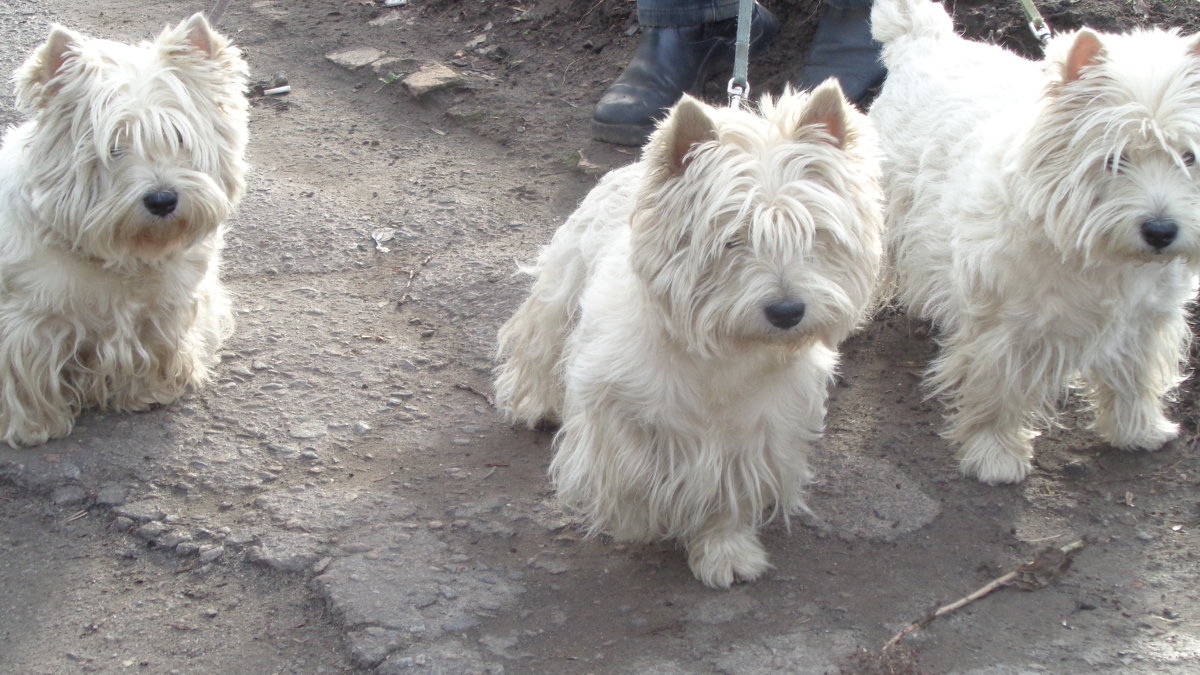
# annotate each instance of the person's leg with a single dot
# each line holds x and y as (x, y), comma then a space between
(684, 43)
(842, 47)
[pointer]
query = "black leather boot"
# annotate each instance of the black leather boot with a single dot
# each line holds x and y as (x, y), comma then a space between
(842, 47)
(669, 62)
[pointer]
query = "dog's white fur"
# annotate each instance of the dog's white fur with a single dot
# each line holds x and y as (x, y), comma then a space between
(1018, 197)
(686, 413)
(102, 302)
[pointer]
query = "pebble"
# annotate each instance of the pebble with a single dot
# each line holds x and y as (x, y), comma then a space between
(210, 554)
(171, 539)
(111, 494)
(307, 431)
(140, 511)
(69, 494)
(122, 523)
(151, 530)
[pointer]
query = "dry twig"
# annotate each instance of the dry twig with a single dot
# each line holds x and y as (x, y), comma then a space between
(1046, 567)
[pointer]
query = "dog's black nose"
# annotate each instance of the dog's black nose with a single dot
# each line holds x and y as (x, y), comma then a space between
(161, 203)
(1159, 232)
(784, 314)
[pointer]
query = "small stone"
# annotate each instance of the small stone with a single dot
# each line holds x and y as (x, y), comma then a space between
(151, 530)
(1076, 469)
(122, 523)
(361, 428)
(432, 77)
(140, 511)
(307, 431)
(353, 59)
(209, 554)
(111, 494)
(68, 494)
(171, 540)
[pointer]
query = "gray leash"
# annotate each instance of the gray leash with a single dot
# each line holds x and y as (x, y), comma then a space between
(1036, 23)
(739, 85)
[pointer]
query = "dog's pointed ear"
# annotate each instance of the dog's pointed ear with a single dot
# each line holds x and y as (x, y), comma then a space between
(1086, 50)
(687, 125)
(198, 33)
(827, 108)
(33, 79)
(193, 33)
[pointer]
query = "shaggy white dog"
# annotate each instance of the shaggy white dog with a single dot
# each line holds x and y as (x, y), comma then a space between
(684, 322)
(1044, 216)
(111, 202)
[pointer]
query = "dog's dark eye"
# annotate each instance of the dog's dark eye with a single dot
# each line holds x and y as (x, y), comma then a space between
(1189, 158)
(116, 152)
(733, 243)
(1115, 163)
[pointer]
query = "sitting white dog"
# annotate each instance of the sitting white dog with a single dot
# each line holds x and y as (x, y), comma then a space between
(111, 202)
(1044, 216)
(684, 323)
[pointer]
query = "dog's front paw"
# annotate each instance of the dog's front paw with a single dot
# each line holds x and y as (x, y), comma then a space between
(721, 558)
(993, 463)
(30, 433)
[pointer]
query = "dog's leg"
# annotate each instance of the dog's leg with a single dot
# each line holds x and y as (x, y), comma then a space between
(992, 390)
(1130, 383)
(36, 404)
(726, 550)
(529, 386)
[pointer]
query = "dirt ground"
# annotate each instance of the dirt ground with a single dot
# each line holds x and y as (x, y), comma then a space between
(344, 498)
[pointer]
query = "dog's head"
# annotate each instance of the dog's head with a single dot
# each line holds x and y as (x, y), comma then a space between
(1111, 163)
(137, 150)
(760, 227)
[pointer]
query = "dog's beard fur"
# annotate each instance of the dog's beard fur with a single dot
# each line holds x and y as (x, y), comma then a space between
(1020, 197)
(114, 196)
(687, 413)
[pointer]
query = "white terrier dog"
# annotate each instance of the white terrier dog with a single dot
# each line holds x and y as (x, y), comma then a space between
(1044, 216)
(684, 322)
(111, 204)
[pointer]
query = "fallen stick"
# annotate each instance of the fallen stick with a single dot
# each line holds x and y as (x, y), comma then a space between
(1040, 571)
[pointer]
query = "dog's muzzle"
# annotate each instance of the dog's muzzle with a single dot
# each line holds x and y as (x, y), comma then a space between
(161, 203)
(1159, 232)
(785, 314)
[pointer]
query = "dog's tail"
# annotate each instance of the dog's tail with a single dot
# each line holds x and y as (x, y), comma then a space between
(894, 19)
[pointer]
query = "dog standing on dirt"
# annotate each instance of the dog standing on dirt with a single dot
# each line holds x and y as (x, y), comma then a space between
(684, 323)
(1045, 217)
(112, 201)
